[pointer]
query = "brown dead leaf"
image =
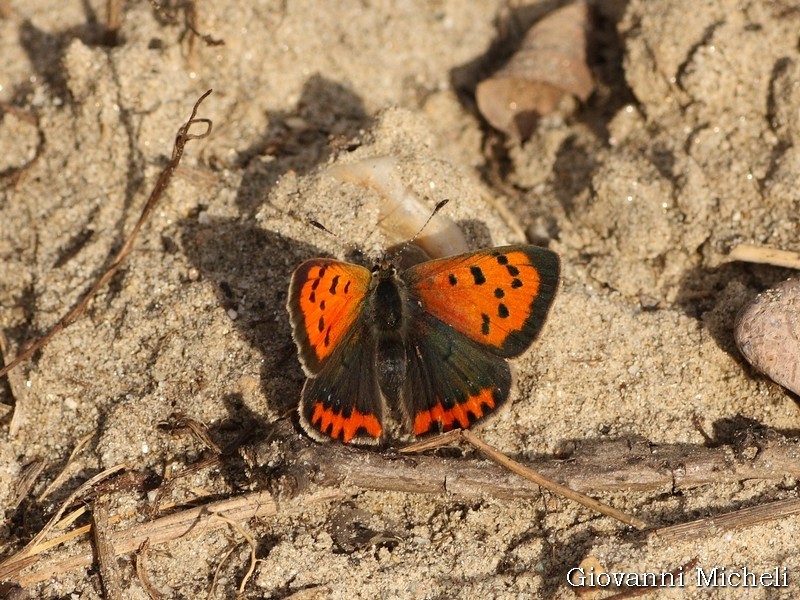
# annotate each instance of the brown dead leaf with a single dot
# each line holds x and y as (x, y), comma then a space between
(549, 65)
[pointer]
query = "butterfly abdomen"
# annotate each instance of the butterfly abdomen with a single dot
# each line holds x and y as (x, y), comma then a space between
(388, 322)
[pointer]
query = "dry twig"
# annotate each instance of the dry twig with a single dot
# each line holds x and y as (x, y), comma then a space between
(32, 548)
(194, 521)
(141, 572)
(109, 573)
(189, 9)
(60, 477)
(738, 519)
(251, 543)
(30, 473)
(767, 256)
(596, 467)
(527, 473)
(158, 189)
(533, 476)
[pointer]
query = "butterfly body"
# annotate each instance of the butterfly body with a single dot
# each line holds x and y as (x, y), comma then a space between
(388, 323)
(431, 342)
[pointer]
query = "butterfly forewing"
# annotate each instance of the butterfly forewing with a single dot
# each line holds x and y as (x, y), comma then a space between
(325, 299)
(498, 297)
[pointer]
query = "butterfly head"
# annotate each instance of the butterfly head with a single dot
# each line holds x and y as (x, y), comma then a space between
(412, 252)
(384, 269)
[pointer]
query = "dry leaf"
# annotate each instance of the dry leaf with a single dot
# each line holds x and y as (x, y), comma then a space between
(550, 64)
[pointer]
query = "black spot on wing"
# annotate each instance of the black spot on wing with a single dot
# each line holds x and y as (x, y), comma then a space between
(485, 324)
(477, 275)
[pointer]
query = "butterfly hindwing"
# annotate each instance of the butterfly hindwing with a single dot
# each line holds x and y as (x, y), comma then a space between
(342, 400)
(326, 298)
(498, 297)
(451, 381)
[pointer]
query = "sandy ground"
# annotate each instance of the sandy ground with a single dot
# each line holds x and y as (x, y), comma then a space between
(688, 147)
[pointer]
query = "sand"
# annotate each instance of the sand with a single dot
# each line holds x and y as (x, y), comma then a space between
(687, 147)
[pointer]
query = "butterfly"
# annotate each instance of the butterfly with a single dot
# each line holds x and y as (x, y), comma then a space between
(430, 342)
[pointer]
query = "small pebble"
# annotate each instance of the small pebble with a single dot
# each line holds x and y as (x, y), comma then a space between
(767, 332)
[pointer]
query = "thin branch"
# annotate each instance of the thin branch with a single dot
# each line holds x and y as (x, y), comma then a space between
(158, 189)
(30, 473)
(534, 477)
(106, 557)
(11, 565)
(621, 465)
(738, 519)
(593, 466)
(194, 521)
(251, 544)
(62, 475)
(190, 20)
(141, 572)
(765, 255)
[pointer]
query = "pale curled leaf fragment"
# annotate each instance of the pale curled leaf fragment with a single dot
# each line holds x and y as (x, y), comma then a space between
(401, 213)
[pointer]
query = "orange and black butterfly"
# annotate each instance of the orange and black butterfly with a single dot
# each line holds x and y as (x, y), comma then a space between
(429, 342)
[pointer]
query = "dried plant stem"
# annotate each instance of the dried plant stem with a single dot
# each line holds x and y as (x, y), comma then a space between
(745, 517)
(194, 521)
(106, 557)
(527, 473)
(767, 256)
(141, 572)
(158, 189)
(63, 473)
(561, 490)
(636, 465)
(32, 547)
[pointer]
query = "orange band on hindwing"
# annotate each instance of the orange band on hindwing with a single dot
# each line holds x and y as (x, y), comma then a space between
(336, 425)
(461, 415)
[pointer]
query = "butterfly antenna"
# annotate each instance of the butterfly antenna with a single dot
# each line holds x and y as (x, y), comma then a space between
(439, 206)
(348, 246)
(320, 226)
